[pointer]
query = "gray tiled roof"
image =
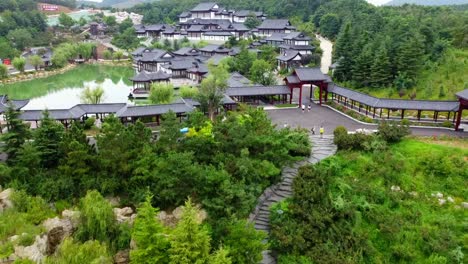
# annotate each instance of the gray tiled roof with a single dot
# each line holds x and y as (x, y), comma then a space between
(204, 7)
(297, 47)
(196, 28)
(237, 80)
(145, 76)
(210, 48)
(274, 24)
(463, 94)
(153, 110)
(277, 37)
(306, 74)
(185, 51)
(258, 90)
(217, 33)
(215, 59)
(425, 105)
(245, 13)
(288, 55)
(185, 14)
(100, 108)
(297, 36)
(18, 104)
(181, 64)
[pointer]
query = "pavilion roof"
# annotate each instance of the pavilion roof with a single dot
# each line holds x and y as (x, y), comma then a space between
(288, 55)
(463, 94)
(306, 74)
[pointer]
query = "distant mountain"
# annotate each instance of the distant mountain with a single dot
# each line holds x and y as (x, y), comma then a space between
(427, 2)
(113, 3)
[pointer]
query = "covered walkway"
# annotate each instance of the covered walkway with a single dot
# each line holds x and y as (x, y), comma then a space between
(367, 104)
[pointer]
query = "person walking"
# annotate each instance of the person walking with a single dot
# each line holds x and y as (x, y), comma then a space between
(313, 130)
(322, 130)
(308, 108)
(303, 108)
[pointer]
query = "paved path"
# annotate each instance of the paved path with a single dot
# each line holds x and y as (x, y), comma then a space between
(321, 149)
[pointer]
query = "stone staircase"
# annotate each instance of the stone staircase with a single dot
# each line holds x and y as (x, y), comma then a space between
(322, 147)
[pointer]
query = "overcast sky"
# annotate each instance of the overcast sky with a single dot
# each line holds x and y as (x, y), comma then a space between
(377, 2)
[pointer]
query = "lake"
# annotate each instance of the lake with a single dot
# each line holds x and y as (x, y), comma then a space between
(63, 91)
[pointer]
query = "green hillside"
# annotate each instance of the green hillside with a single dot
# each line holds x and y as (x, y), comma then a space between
(427, 2)
(399, 205)
(437, 81)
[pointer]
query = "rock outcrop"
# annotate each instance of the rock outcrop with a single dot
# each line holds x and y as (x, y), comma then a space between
(5, 201)
(122, 257)
(124, 215)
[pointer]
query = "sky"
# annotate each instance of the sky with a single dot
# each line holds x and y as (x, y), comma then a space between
(377, 2)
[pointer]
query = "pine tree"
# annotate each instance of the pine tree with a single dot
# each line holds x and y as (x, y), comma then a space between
(409, 54)
(362, 67)
(344, 54)
(47, 138)
(17, 134)
(245, 244)
(149, 235)
(190, 241)
(381, 74)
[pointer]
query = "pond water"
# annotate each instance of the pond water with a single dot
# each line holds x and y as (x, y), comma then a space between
(53, 20)
(63, 91)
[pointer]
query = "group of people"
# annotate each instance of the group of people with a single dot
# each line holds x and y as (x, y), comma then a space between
(304, 107)
(322, 130)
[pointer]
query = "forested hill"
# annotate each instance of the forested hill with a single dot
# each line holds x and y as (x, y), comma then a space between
(427, 2)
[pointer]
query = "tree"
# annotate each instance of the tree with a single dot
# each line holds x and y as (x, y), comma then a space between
(7, 50)
(65, 20)
(59, 59)
(17, 134)
(330, 25)
(381, 74)
(47, 138)
(188, 92)
(252, 21)
(261, 72)
(126, 23)
(72, 252)
(211, 91)
(85, 50)
(97, 218)
(126, 40)
(19, 64)
(118, 55)
(3, 71)
(36, 61)
(243, 62)
(245, 244)
(161, 93)
(92, 96)
(21, 38)
(220, 256)
(149, 235)
(110, 21)
(190, 241)
(343, 54)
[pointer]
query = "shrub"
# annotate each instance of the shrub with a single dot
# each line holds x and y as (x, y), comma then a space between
(357, 141)
(188, 92)
(89, 123)
(72, 252)
(61, 205)
(34, 208)
(393, 132)
(3, 71)
(6, 249)
(447, 123)
(97, 218)
(26, 239)
(298, 143)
